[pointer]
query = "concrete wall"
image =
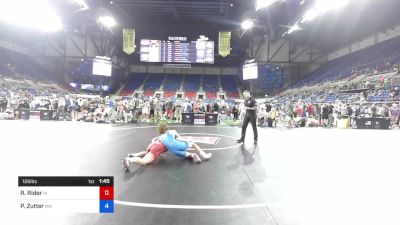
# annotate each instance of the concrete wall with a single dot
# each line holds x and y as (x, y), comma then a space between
(155, 69)
(138, 69)
(195, 70)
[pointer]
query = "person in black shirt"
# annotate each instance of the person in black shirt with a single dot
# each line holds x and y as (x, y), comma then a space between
(235, 112)
(268, 107)
(3, 104)
(251, 109)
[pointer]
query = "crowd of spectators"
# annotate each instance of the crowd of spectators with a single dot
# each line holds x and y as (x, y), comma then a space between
(108, 109)
(323, 105)
(301, 113)
(336, 104)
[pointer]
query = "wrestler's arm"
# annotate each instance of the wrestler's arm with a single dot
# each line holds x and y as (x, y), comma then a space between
(178, 136)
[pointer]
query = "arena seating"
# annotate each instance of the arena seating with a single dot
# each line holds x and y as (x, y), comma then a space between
(228, 84)
(210, 86)
(210, 83)
(172, 83)
(211, 95)
(13, 64)
(343, 98)
(330, 98)
(154, 82)
(190, 95)
(192, 83)
(271, 78)
(233, 95)
(134, 82)
(28, 76)
(149, 93)
(67, 87)
(369, 69)
(379, 97)
(379, 58)
(169, 94)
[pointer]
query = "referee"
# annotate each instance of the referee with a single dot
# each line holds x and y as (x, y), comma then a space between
(251, 109)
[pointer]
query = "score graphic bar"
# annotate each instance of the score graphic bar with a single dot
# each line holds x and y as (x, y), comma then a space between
(66, 194)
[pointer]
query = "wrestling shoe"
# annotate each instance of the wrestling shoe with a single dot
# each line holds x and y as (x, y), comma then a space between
(125, 163)
(255, 142)
(195, 158)
(239, 141)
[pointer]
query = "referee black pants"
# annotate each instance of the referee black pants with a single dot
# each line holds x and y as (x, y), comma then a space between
(249, 118)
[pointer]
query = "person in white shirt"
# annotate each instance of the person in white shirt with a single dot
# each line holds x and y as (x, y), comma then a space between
(178, 110)
(146, 110)
(394, 113)
(262, 115)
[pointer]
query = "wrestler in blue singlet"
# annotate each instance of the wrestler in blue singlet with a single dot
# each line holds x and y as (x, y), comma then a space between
(177, 147)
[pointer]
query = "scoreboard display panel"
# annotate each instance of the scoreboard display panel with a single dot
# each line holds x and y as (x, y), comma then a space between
(200, 51)
(66, 194)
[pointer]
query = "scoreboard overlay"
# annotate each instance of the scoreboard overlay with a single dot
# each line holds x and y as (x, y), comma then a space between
(66, 194)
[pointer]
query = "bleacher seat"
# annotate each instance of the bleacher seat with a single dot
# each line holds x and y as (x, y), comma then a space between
(210, 83)
(228, 84)
(172, 83)
(190, 95)
(234, 95)
(211, 95)
(169, 94)
(154, 82)
(330, 98)
(271, 78)
(380, 97)
(149, 93)
(133, 83)
(378, 58)
(192, 83)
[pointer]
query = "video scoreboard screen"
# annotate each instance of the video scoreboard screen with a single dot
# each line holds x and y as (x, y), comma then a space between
(200, 51)
(250, 71)
(102, 66)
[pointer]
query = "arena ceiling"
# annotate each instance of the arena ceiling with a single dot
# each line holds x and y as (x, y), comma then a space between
(159, 19)
(359, 19)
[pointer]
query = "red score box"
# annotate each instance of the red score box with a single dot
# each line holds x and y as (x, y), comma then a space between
(106, 193)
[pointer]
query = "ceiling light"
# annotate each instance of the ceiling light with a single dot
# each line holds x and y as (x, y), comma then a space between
(247, 24)
(310, 15)
(294, 28)
(260, 4)
(37, 14)
(107, 21)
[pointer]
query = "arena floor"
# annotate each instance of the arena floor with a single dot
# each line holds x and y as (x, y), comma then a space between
(307, 176)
